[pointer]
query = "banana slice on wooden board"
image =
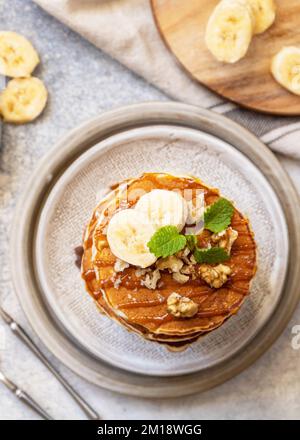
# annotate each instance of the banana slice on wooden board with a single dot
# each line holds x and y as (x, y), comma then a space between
(285, 68)
(229, 31)
(23, 100)
(264, 14)
(18, 58)
(232, 25)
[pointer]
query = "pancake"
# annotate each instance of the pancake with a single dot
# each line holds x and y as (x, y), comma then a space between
(123, 296)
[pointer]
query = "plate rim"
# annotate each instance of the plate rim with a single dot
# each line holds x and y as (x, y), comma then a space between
(95, 153)
(79, 140)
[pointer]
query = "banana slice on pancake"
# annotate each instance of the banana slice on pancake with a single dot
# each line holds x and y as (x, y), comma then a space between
(23, 100)
(196, 208)
(18, 58)
(128, 233)
(163, 207)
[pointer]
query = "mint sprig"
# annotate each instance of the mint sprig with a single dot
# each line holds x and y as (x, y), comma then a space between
(217, 216)
(211, 256)
(191, 241)
(166, 241)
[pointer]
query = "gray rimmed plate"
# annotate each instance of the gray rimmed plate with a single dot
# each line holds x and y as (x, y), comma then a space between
(60, 201)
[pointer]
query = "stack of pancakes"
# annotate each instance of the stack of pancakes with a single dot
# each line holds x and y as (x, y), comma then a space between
(122, 297)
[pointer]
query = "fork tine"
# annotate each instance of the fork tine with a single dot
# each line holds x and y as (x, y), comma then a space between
(6, 317)
(24, 397)
(7, 382)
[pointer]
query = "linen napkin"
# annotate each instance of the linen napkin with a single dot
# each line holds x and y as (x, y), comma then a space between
(125, 29)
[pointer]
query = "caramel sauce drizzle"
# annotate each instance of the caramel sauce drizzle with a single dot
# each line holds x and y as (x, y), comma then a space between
(137, 304)
(246, 248)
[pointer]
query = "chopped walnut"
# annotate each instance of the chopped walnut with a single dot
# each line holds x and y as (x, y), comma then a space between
(181, 306)
(151, 279)
(141, 272)
(117, 283)
(214, 276)
(173, 264)
(183, 255)
(180, 277)
(120, 265)
(189, 269)
(225, 239)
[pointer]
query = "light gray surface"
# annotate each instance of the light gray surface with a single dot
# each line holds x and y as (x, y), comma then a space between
(83, 82)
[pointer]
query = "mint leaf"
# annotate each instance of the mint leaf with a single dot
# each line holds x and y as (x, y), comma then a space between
(211, 255)
(218, 215)
(191, 241)
(166, 241)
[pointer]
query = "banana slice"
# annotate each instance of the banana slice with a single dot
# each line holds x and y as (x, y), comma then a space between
(229, 31)
(18, 58)
(264, 14)
(285, 68)
(128, 233)
(245, 4)
(163, 207)
(196, 208)
(23, 100)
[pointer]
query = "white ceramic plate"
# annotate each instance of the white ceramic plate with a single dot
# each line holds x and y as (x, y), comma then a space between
(27, 283)
(179, 151)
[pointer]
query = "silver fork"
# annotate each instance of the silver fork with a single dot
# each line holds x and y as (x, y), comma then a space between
(26, 339)
(24, 397)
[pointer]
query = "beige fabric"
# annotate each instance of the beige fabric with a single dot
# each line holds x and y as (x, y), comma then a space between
(125, 29)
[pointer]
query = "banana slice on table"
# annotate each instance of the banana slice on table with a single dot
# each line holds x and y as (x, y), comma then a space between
(18, 58)
(23, 100)
(128, 233)
(264, 14)
(163, 207)
(229, 30)
(285, 68)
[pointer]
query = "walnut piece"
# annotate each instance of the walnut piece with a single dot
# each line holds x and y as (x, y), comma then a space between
(214, 276)
(225, 239)
(183, 255)
(180, 277)
(189, 269)
(120, 265)
(181, 306)
(141, 272)
(151, 279)
(117, 283)
(173, 264)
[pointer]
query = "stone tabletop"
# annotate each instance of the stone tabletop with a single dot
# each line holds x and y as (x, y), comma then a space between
(82, 83)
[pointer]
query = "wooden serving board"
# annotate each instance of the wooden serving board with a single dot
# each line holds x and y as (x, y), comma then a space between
(248, 82)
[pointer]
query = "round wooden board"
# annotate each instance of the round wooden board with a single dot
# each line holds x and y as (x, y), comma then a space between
(249, 81)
